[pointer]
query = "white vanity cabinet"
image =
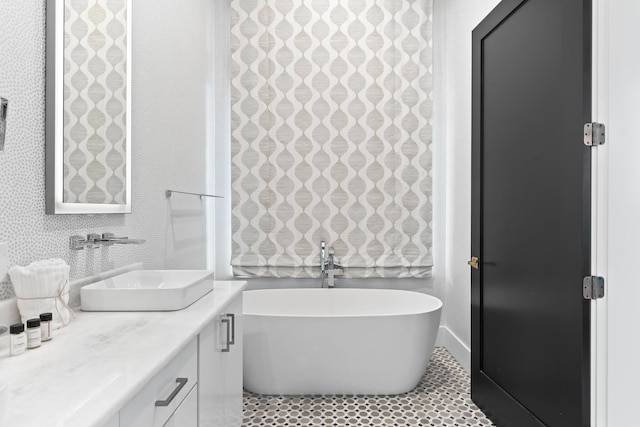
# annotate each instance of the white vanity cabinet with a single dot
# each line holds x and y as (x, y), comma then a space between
(220, 368)
(210, 367)
(166, 395)
(117, 365)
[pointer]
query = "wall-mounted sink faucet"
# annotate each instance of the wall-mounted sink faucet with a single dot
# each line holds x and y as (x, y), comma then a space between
(94, 240)
(110, 239)
(328, 267)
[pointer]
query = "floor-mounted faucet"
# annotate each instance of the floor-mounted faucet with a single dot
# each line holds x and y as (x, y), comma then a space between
(322, 260)
(328, 267)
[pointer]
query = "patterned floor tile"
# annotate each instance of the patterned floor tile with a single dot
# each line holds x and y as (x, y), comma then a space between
(441, 399)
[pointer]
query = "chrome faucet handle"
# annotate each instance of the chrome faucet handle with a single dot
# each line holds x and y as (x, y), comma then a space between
(93, 241)
(108, 239)
(330, 258)
(77, 243)
(322, 256)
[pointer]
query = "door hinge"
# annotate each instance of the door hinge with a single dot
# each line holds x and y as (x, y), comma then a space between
(594, 134)
(593, 287)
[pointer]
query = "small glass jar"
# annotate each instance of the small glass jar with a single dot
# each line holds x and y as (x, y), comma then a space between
(34, 334)
(45, 325)
(18, 339)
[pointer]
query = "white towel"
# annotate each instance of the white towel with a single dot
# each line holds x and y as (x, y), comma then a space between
(43, 287)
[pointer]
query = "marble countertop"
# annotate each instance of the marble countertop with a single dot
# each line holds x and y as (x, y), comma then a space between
(94, 365)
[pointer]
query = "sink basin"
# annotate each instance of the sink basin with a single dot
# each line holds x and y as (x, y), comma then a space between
(147, 290)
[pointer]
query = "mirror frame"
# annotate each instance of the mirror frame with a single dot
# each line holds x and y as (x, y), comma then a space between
(54, 119)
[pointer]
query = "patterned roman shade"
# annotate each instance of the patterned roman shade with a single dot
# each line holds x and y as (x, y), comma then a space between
(331, 110)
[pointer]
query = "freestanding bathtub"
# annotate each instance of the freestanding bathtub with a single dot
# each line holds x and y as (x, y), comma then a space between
(337, 341)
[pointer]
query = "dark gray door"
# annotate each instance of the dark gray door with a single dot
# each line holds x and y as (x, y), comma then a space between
(531, 213)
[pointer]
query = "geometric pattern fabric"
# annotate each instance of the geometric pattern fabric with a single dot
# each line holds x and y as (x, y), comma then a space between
(331, 114)
(95, 70)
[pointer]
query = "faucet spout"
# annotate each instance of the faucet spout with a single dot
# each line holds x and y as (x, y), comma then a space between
(124, 241)
(110, 239)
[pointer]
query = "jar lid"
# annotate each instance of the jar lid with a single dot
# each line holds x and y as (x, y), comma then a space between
(46, 317)
(33, 323)
(16, 328)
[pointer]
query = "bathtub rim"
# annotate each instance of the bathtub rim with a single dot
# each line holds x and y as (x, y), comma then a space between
(434, 303)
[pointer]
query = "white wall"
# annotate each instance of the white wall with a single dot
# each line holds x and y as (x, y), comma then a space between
(220, 221)
(173, 67)
(455, 20)
(617, 95)
(168, 138)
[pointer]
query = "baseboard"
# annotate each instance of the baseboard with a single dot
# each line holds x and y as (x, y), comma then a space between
(455, 346)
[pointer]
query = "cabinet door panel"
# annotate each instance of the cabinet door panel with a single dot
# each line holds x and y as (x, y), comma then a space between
(233, 370)
(212, 340)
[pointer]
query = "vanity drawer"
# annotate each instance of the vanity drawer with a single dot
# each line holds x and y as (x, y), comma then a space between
(161, 396)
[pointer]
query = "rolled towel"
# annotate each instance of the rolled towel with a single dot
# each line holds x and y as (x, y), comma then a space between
(43, 287)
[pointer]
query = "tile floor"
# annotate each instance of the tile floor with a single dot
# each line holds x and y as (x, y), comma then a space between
(442, 398)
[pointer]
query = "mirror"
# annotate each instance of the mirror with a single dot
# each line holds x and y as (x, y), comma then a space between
(88, 107)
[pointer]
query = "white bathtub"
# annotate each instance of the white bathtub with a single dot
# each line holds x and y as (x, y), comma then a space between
(337, 341)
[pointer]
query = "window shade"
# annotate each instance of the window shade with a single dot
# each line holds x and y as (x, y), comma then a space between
(331, 110)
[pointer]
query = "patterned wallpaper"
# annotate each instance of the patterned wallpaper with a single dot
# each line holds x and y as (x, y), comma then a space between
(331, 136)
(95, 55)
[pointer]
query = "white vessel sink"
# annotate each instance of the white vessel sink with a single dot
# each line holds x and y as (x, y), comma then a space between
(147, 290)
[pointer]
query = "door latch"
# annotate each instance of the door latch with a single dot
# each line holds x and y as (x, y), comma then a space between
(473, 262)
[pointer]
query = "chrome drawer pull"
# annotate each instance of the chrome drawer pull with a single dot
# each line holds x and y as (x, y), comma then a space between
(181, 383)
(228, 323)
(233, 328)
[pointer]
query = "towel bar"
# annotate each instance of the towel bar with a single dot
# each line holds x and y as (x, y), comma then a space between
(168, 193)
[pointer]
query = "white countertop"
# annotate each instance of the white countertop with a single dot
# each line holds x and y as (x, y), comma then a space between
(94, 365)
